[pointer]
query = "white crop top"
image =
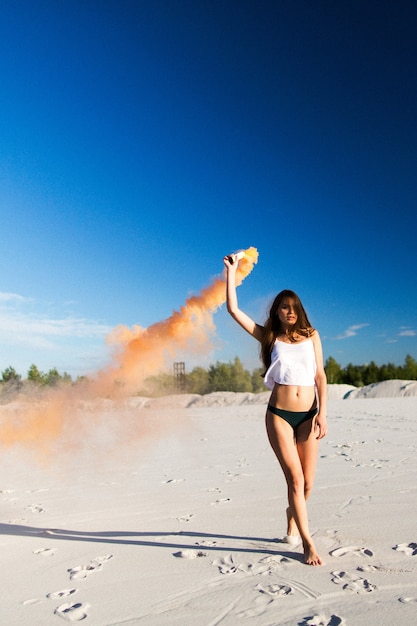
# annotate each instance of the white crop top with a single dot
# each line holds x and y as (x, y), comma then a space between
(292, 364)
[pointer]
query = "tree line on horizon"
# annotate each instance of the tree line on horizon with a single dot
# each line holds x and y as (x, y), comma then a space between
(231, 376)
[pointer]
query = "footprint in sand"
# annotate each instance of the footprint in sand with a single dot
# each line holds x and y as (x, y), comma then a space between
(72, 612)
(64, 593)
(232, 477)
(185, 518)
(409, 549)
(275, 559)
(220, 501)
(225, 565)
(270, 564)
(82, 571)
(322, 620)
(353, 583)
(275, 590)
(260, 605)
(207, 543)
(35, 508)
(371, 568)
(45, 551)
(189, 554)
(351, 550)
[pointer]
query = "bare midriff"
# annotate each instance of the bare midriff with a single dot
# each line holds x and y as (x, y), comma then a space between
(293, 397)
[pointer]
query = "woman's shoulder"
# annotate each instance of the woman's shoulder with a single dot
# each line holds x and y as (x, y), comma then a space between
(315, 337)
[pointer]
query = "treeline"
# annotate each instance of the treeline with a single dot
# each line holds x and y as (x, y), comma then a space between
(231, 376)
(36, 376)
(362, 375)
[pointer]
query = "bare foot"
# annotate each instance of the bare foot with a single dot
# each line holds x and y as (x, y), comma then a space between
(310, 555)
(292, 529)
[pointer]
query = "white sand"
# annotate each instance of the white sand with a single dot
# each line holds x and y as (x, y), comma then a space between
(177, 527)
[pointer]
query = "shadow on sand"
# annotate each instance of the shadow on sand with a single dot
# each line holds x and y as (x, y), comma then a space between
(172, 540)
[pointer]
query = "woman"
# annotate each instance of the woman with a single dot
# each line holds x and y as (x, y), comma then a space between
(296, 416)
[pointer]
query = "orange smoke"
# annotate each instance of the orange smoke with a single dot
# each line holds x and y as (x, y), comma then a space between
(138, 353)
(144, 351)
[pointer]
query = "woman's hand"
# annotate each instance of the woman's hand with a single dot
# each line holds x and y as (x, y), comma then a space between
(228, 263)
(320, 426)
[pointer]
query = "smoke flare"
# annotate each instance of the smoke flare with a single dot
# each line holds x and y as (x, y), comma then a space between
(138, 353)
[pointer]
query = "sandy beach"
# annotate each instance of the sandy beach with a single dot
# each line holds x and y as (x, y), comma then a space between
(172, 512)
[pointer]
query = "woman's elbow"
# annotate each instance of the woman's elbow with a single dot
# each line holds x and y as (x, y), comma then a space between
(321, 378)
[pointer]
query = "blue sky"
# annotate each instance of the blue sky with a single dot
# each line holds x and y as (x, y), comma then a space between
(141, 141)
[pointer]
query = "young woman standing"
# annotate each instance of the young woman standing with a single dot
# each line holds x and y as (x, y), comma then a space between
(296, 415)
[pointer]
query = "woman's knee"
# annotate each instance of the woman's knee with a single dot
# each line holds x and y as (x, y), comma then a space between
(308, 488)
(296, 482)
(308, 481)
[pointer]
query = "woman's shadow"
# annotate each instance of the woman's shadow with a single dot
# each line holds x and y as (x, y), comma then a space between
(177, 540)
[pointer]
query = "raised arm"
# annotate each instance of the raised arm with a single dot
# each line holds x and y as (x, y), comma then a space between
(232, 304)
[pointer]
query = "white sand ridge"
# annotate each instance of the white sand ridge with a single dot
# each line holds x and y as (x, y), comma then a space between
(385, 389)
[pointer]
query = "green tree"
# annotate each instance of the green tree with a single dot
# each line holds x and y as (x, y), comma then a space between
(10, 375)
(36, 376)
(52, 378)
(230, 376)
(353, 375)
(220, 377)
(161, 384)
(66, 378)
(370, 373)
(333, 371)
(409, 371)
(258, 380)
(197, 381)
(388, 372)
(240, 378)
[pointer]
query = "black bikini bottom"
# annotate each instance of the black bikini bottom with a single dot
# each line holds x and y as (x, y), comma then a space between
(294, 418)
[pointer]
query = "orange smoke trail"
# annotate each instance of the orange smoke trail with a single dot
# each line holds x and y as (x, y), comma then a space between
(144, 351)
(138, 353)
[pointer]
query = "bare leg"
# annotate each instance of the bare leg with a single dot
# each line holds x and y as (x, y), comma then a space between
(292, 528)
(281, 437)
(307, 447)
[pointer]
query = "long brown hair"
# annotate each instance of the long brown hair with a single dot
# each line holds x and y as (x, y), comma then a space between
(273, 326)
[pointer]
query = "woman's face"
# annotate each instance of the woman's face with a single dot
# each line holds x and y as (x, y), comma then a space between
(286, 312)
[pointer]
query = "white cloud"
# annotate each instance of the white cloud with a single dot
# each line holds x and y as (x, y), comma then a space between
(27, 328)
(408, 333)
(16, 323)
(351, 331)
(11, 297)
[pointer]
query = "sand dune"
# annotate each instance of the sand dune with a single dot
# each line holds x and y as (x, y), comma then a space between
(386, 389)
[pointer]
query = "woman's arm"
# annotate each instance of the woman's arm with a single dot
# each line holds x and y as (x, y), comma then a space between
(321, 384)
(232, 304)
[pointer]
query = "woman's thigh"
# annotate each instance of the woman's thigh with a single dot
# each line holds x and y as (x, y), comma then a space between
(282, 440)
(307, 448)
